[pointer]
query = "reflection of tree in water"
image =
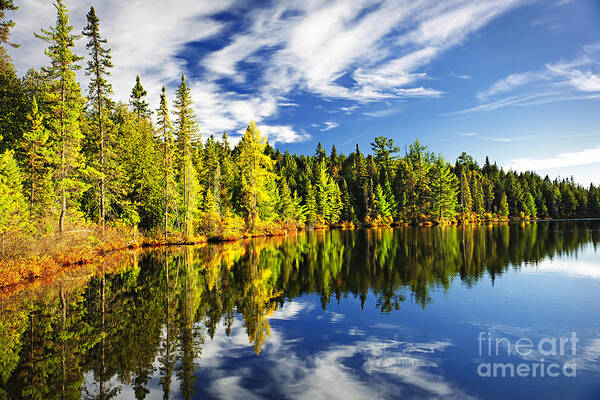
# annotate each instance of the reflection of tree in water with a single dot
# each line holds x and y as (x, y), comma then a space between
(153, 315)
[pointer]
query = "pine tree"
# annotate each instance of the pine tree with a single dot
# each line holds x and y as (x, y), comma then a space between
(384, 151)
(138, 102)
(335, 202)
(165, 132)
(348, 213)
(35, 150)
(466, 202)
(5, 25)
(477, 193)
(530, 205)
(383, 208)
(443, 190)
(322, 192)
(504, 206)
(99, 91)
(65, 104)
(311, 206)
(13, 208)
(186, 130)
(286, 204)
(255, 167)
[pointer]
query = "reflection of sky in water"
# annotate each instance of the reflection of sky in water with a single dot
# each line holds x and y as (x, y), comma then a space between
(347, 353)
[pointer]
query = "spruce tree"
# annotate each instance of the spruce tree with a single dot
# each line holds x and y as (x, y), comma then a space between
(322, 192)
(530, 205)
(443, 190)
(35, 150)
(6, 25)
(64, 105)
(186, 131)
(99, 90)
(466, 202)
(165, 132)
(255, 167)
(383, 208)
(285, 208)
(335, 202)
(13, 207)
(137, 99)
(477, 193)
(311, 206)
(504, 206)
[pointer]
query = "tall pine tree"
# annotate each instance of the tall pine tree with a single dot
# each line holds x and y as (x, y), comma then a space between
(64, 102)
(99, 90)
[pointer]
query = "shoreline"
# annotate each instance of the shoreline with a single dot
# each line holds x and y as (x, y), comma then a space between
(47, 267)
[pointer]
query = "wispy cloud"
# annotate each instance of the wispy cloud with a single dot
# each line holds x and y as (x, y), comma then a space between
(467, 134)
(329, 125)
(578, 79)
(458, 76)
(567, 159)
(383, 113)
(361, 51)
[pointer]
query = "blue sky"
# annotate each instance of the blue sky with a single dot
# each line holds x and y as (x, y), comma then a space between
(516, 80)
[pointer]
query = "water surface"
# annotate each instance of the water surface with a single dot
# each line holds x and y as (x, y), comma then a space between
(381, 313)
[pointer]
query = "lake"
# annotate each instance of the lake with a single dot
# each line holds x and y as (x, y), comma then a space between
(487, 312)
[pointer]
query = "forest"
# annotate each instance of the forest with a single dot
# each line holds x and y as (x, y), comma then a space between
(74, 160)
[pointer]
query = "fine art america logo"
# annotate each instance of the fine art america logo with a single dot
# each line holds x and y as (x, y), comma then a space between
(539, 358)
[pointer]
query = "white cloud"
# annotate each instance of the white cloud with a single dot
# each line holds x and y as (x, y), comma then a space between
(329, 125)
(362, 50)
(578, 79)
(584, 157)
(383, 113)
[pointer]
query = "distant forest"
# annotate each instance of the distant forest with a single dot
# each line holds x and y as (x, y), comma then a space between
(69, 156)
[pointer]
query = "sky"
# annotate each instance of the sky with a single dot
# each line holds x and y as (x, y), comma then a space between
(515, 80)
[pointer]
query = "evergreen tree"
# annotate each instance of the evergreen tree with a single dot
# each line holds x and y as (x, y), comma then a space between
(186, 130)
(530, 204)
(335, 206)
(286, 203)
(311, 206)
(348, 213)
(99, 91)
(477, 193)
(255, 167)
(35, 150)
(64, 107)
(137, 100)
(504, 206)
(6, 25)
(466, 202)
(383, 208)
(322, 193)
(384, 151)
(13, 208)
(443, 190)
(165, 132)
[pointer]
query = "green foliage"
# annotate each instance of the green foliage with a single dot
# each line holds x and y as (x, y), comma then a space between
(36, 168)
(444, 187)
(504, 206)
(13, 207)
(255, 169)
(187, 129)
(137, 100)
(63, 105)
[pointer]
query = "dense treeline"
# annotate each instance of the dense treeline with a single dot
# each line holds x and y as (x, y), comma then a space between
(68, 156)
(93, 336)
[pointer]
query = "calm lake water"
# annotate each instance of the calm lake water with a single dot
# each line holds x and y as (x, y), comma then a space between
(381, 313)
